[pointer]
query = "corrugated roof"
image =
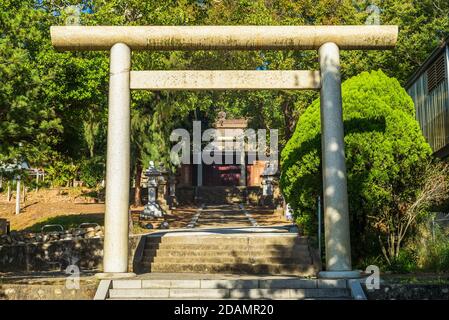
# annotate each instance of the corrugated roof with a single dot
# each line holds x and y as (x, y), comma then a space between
(433, 56)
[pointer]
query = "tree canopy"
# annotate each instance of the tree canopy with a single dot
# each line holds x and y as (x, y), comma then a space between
(55, 103)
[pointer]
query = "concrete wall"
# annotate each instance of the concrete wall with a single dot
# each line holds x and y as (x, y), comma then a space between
(409, 292)
(46, 292)
(4, 226)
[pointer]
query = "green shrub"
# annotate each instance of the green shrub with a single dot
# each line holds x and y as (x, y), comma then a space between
(385, 156)
(433, 251)
(61, 173)
(405, 262)
(437, 256)
(92, 171)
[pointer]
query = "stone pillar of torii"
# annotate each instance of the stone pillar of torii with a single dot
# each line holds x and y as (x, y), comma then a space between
(328, 40)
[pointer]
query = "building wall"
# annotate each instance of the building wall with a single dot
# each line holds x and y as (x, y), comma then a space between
(432, 110)
(185, 176)
(254, 173)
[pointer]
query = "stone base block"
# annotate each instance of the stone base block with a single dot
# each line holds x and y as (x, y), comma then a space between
(339, 274)
(115, 275)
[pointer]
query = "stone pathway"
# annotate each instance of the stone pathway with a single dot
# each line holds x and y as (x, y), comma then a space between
(219, 216)
(195, 217)
(249, 216)
(223, 216)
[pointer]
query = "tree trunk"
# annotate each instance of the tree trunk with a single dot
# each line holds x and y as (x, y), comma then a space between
(130, 222)
(287, 110)
(9, 191)
(137, 188)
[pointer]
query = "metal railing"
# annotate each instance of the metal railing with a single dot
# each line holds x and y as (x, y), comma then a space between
(439, 220)
(319, 223)
(48, 226)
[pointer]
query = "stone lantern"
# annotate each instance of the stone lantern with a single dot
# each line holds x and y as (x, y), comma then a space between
(268, 177)
(173, 202)
(152, 209)
(162, 190)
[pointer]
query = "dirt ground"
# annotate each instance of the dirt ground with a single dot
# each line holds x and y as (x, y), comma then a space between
(52, 207)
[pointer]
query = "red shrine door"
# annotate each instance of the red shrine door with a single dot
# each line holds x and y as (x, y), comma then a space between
(221, 175)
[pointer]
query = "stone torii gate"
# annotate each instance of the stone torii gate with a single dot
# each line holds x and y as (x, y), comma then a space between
(328, 40)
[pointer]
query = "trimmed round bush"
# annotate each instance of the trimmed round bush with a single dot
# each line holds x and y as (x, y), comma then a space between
(385, 156)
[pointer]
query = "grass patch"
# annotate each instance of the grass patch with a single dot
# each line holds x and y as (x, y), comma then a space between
(68, 221)
(418, 279)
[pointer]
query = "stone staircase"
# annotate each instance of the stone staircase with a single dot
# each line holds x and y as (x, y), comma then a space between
(221, 195)
(174, 288)
(256, 253)
(230, 263)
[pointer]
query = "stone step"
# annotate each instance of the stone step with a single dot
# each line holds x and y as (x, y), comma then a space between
(287, 253)
(219, 197)
(292, 269)
(231, 260)
(228, 218)
(216, 220)
(248, 253)
(139, 293)
(228, 293)
(280, 239)
(218, 213)
(222, 213)
(227, 247)
(250, 283)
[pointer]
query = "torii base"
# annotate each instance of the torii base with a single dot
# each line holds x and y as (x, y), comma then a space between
(114, 275)
(339, 274)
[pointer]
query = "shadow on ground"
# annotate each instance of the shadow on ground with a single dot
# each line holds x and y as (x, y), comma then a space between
(69, 221)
